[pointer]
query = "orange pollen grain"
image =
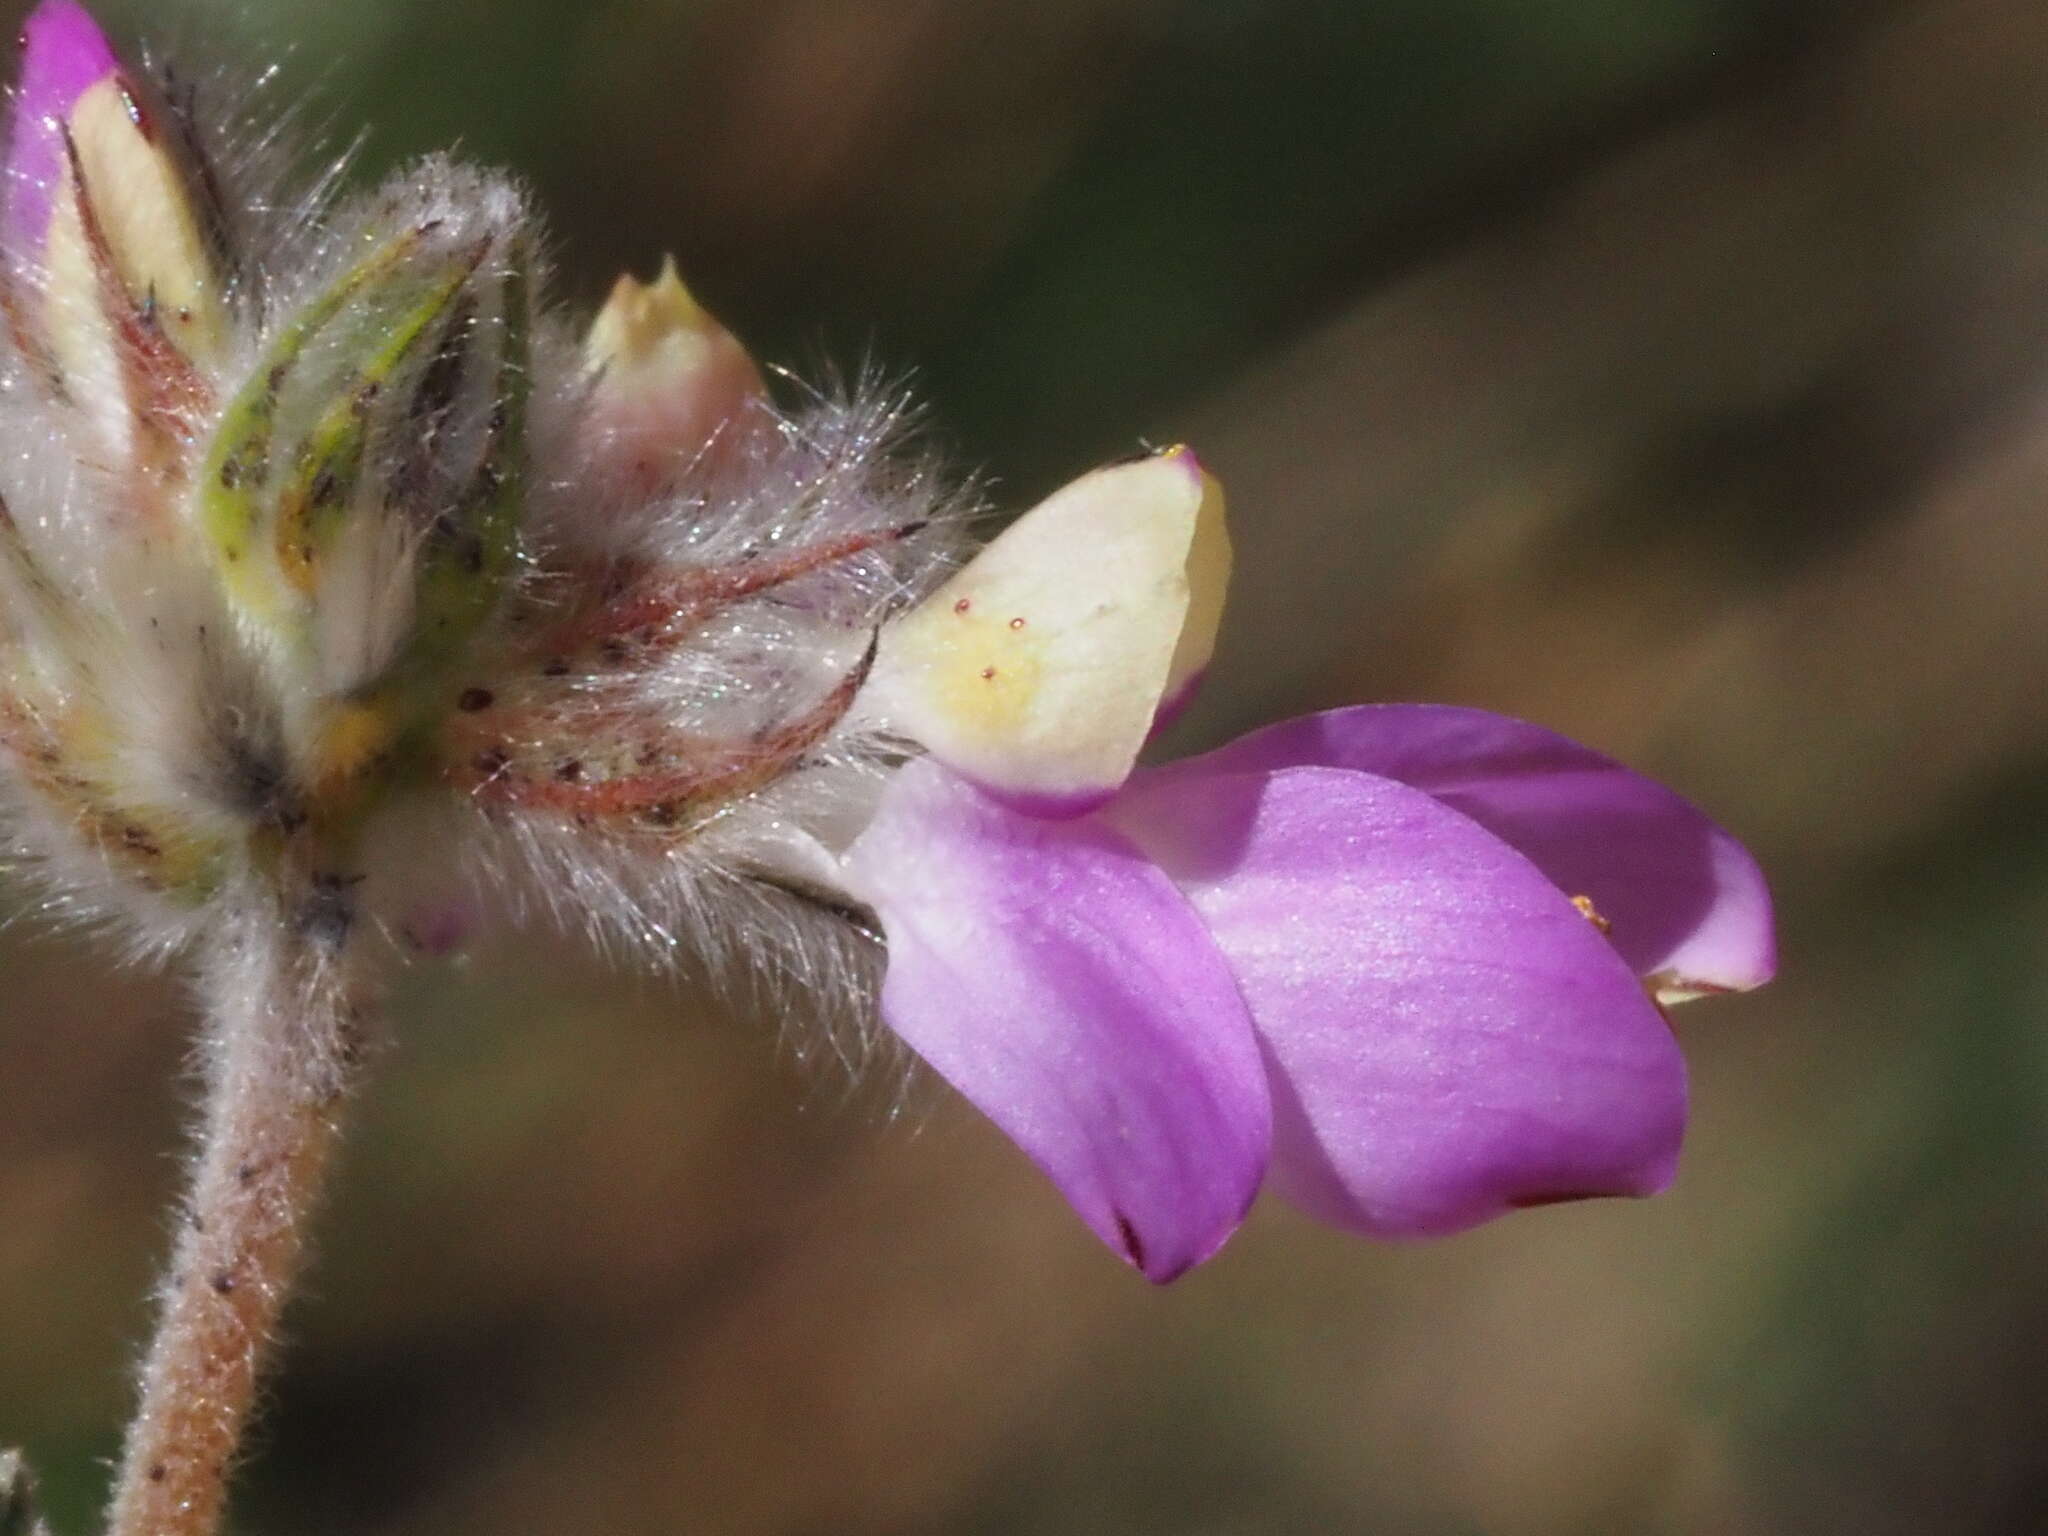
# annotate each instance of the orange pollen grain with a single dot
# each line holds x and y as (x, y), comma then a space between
(1591, 913)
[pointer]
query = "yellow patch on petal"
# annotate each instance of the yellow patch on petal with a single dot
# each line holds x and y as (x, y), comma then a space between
(1038, 668)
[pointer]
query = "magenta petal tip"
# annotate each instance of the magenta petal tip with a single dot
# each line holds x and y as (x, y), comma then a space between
(1686, 903)
(63, 55)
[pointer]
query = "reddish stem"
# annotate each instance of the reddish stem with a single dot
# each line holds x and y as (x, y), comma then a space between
(282, 1041)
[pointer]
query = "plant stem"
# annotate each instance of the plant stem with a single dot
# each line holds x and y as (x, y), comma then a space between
(284, 1023)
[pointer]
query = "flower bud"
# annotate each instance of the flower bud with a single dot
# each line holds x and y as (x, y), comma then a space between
(122, 177)
(360, 498)
(671, 385)
(113, 279)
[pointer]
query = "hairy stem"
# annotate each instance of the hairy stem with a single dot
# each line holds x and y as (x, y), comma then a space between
(284, 1021)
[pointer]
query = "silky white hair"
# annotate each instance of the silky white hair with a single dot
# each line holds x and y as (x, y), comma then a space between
(203, 728)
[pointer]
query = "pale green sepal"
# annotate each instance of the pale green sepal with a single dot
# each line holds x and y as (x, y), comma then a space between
(238, 487)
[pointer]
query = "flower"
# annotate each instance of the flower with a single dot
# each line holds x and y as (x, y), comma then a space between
(343, 578)
(1405, 960)
(350, 589)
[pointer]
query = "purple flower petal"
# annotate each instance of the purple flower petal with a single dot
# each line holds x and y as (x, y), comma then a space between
(63, 55)
(1060, 982)
(1687, 905)
(1447, 1036)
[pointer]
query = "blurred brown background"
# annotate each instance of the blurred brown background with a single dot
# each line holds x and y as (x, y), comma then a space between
(1674, 372)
